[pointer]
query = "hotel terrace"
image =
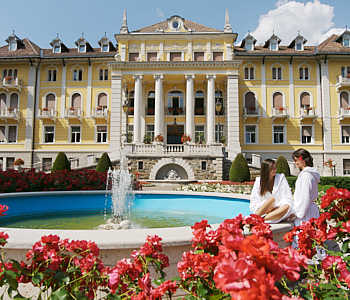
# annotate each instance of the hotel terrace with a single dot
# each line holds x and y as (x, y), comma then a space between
(178, 98)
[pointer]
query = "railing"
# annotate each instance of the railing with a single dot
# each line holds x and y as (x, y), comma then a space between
(10, 82)
(175, 111)
(281, 112)
(342, 81)
(46, 113)
(100, 113)
(251, 112)
(308, 113)
(72, 113)
(9, 113)
(344, 113)
(158, 149)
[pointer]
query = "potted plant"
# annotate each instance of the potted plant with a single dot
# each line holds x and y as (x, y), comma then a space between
(185, 139)
(129, 137)
(222, 139)
(147, 139)
(19, 162)
(159, 138)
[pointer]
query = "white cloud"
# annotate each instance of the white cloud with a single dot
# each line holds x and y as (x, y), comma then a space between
(312, 19)
(160, 13)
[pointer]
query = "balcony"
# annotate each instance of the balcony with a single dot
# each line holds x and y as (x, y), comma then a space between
(342, 82)
(100, 114)
(308, 113)
(279, 113)
(344, 113)
(9, 113)
(73, 113)
(179, 150)
(9, 83)
(47, 114)
(251, 113)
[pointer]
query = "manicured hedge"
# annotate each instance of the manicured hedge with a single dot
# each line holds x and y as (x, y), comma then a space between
(337, 181)
(239, 171)
(104, 163)
(32, 181)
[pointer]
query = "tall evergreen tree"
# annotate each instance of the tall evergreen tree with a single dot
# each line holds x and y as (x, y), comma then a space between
(239, 171)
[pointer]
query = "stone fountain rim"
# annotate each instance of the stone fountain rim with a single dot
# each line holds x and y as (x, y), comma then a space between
(119, 239)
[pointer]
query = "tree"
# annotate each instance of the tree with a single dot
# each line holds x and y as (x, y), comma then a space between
(239, 170)
(282, 166)
(61, 162)
(104, 163)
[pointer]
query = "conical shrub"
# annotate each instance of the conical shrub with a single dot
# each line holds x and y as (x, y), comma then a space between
(104, 163)
(282, 166)
(239, 171)
(61, 163)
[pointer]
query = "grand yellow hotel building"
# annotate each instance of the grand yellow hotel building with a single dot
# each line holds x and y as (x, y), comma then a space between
(171, 79)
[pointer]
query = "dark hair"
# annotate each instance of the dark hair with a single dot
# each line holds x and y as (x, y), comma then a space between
(265, 184)
(305, 155)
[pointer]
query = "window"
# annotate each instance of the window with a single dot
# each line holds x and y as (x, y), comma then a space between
(10, 162)
(152, 56)
(198, 56)
(77, 75)
(1, 163)
(199, 134)
(102, 100)
(203, 165)
(218, 56)
(46, 164)
(133, 56)
(273, 45)
(278, 134)
(9, 74)
(278, 100)
(151, 103)
(344, 100)
(199, 103)
(103, 75)
(175, 56)
(345, 134)
(49, 134)
(250, 134)
(82, 48)
(346, 166)
(12, 134)
(304, 73)
(76, 102)
(219, 103)
(346, 40)
(140, 165)
(13, 45)
(57, 48)
(249, 45)
(150, 131)
(101, 134)
(75, 134)
(51, 75)
(130, 133)
(2, 134)
(105, 48)
(131, 103)
(250, 103)
(219, 133)
(276, 73)
(306, 134)
(175, 103)
(14, 101)
(299, 46)
(345, 72)
(50, 100)
(305, 100)
(249, 73)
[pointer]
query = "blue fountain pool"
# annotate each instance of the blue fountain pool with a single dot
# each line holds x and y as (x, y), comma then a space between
(87, 211)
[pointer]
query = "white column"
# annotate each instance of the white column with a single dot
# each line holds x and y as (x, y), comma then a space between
(291, 91)
(116, 116)
(63, 91)
(326, 107)
(189, 106)
(211, 110)
(232, 116)
(137, 108)
(31, 110)
(88, 100)
(158, 105)
(263, 90)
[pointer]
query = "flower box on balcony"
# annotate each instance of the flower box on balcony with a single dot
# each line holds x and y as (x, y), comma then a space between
(72, 108)
(99, 108)
(199, 111)
(150, 111)
(11, 109)
(45, 109)
(170, 109)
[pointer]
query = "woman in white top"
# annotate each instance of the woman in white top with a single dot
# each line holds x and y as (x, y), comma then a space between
(271, 196)
(306, 188)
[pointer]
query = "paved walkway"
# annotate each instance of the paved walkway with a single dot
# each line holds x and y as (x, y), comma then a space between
(160, 187)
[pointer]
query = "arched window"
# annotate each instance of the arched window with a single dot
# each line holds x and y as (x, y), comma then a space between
(250, 103)
(277, 100)
(131, 102)
(151, 103)
(14, 101)
(344, 100)
(50, 101)
(175, 103)
(305, 100)
(199, 103)
(76, 101)
(3, 100)
(102, 100)
(219, 103)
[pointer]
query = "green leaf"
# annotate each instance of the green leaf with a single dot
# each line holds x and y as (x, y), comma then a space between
(11, 279)
(37, 278)
(60, 294)
(62, 277)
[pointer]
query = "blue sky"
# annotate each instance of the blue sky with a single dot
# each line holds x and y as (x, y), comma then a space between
(41, 20)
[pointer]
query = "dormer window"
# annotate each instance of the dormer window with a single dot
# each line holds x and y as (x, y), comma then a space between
(346, 40)
(249, 46)
(273, 45)
(299, 46)
(57, 48)
(82, 48)
(13, 45)
(105, 48)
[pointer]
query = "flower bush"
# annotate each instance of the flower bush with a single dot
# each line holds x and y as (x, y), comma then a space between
(19, 162)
